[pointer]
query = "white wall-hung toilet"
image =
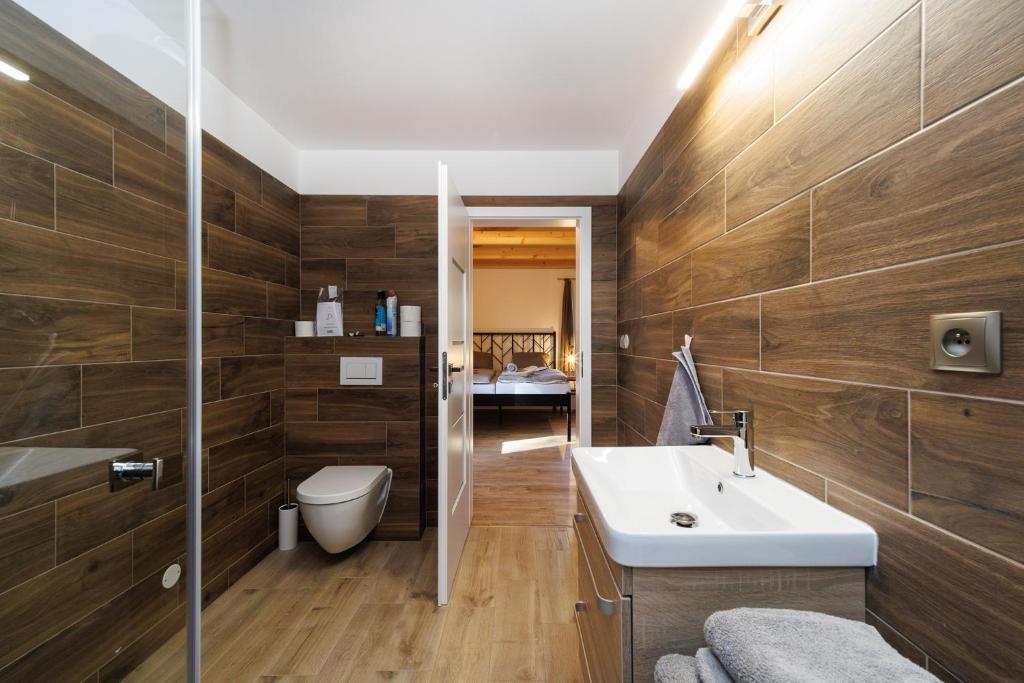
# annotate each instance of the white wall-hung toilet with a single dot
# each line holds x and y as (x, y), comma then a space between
(342, 504)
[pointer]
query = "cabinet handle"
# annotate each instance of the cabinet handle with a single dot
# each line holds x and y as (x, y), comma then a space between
(604, 604)
(580, 517)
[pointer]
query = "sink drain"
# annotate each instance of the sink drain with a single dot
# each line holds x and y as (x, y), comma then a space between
(683, 519)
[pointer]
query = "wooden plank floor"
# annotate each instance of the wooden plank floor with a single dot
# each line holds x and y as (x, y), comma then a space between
(521, 469)
(371, 614)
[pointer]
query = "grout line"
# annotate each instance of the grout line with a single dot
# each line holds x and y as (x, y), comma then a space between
(921, 65)
(910, 455)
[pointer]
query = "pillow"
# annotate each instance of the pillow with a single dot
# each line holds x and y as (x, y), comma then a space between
(526, 358)
(483, 360)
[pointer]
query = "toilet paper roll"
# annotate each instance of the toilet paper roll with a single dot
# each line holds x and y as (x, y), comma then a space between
(304, 328)
(409, 314)
(411, 329)
(287, 526)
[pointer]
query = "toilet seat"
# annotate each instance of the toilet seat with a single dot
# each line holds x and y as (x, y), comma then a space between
(340, 484)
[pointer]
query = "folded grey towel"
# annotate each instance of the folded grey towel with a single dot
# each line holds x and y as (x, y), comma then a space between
(685, 406)
(676, 669)
(758, 645)
(709, 669)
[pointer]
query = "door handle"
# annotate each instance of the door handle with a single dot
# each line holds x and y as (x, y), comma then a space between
(454, 368)
(444, 380)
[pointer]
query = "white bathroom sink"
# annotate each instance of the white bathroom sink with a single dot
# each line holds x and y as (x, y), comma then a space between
(757, 522)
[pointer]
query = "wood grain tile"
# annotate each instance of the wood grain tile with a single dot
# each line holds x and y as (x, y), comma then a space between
(377, 346)
(225, 293)
(233, 459)
(90, 208)
(417, 240)
(354, 404)
(264, 484)
(159, 334)
(336, 438)
(53, 332)
(941, 592)
(47, 604)
(36, 122)
(970, 49)
(26, 545)
(724, 334)
(652, 337)
(251, 374)
(280, 198)
(218, 205)
(855, 435)
(797, 476)
(266, 335)
(89, 271)
(240, 255)
(603, 369)
(114, 391)
(143, 171)
(338, 242)
(227, 167)
(92, 517)
(299, 406)
(744, 114)
(840, 32)
(229, 545)
(666, 289)
(871, 103)
(283, 303)
(638, 375)
(340, 210)
(953, 187)
(698, 220)
(317, 273)
(397, 274)
(227, 419)
(817, 330)
(770, 252)
(631, 409)
(39, 400)
(392, 209)
(88, 644)
(963, 474)
(266, 226)
(73, 74)
(26, 188)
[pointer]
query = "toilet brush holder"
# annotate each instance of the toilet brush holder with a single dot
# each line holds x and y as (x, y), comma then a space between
(287, 526)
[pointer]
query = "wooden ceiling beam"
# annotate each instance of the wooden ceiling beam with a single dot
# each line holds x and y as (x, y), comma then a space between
(560, 264)
(524, 236)
(540, 252)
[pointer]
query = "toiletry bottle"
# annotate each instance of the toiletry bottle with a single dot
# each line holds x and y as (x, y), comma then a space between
(380, 315)
(392, 311)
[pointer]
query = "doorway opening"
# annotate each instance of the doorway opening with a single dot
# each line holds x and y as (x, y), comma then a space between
(528, 307)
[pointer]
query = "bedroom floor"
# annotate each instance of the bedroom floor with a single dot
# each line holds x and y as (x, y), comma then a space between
(521, 469)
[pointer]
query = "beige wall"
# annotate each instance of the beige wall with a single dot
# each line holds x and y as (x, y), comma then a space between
(517, 300)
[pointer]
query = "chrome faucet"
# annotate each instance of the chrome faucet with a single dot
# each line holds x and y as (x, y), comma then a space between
(742, 438)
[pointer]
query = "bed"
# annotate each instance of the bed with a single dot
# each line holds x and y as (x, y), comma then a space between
(493, 351)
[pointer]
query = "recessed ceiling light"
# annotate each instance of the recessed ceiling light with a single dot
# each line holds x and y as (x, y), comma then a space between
(8, 70)
(729, 14)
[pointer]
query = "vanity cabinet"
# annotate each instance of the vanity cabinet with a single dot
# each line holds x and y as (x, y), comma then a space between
(628, 617)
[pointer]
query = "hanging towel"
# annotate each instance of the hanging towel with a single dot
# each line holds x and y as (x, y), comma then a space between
(709, 669)
(762, 645)
(685, 405)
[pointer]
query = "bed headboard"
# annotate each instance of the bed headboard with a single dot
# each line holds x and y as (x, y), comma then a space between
(501, 345)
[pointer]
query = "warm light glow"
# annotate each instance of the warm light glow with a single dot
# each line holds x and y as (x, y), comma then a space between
(570, 361)
(8, 70)
(714, 36)
(524, 445)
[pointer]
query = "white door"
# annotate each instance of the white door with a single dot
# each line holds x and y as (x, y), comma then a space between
(454, 438)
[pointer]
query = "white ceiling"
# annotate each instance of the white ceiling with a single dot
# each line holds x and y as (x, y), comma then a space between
(452, 74)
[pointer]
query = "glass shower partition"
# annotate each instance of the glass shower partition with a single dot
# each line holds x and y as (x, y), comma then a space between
(100, 373)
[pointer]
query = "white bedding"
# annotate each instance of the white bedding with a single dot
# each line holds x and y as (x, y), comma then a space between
(533, 375)
(530, 388)
(483, 376)
(483, 388)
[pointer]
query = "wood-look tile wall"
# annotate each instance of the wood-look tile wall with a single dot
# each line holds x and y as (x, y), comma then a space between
(368, 243)
(328, 424)
(92, 237)
(809, 203)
